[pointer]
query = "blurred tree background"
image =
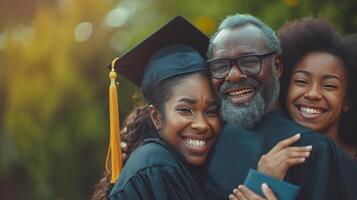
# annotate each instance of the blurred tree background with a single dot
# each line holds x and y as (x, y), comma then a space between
(54, 84)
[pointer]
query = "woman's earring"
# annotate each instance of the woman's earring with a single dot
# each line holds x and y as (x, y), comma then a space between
(346, 107)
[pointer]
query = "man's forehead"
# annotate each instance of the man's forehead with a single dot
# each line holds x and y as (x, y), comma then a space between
(247, 39)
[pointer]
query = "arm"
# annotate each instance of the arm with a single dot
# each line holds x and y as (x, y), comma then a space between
(282, 156)
(321, 176)
(276, 164)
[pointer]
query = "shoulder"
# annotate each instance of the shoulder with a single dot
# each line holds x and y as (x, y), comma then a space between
(153, 161)
(152, 153)
(145, 181)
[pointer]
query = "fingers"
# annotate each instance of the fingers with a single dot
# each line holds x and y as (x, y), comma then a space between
(287, 142)
(277, 163)
(234, 195)
(294, 161)
(300, 148)
(124, 156)
(248, 194)
(269, 194)
(244, 193)
(237, 195)
(293, 153)
(124, 150)
(123, 146)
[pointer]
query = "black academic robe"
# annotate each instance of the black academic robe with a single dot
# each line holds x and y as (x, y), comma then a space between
(327, 174)
(156, 171)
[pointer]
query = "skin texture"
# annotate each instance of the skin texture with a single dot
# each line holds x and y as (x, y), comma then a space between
(319, 82)
(190, 114)
(232, 43)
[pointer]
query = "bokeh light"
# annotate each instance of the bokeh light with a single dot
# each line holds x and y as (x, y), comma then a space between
(83, 31)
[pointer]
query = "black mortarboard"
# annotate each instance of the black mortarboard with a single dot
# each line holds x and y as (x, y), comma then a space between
(165, 53)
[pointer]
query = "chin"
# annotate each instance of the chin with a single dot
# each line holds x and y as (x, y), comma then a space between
(310, 126)
(196, 161)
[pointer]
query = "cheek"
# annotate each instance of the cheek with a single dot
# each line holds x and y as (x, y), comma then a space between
(294, 92)
(175, 125)
(335, 100)
(292, 95)
(216, 84)
(216, 125)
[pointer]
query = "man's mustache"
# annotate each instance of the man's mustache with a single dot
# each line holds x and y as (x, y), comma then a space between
(243, 83)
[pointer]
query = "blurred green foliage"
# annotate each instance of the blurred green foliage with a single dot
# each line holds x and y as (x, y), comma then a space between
(53, 80)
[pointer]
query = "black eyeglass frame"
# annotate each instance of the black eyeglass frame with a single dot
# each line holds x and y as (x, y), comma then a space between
(235, 61)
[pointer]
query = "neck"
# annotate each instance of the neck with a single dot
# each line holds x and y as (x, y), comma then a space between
(349, 149)
(274, 107)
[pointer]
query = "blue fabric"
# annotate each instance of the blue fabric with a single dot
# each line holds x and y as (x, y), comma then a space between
(282, 190)
(170, 61)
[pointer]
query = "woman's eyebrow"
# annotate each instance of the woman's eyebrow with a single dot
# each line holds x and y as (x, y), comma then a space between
(194, 101)
(188, 100)
(303, 72)
(332, 76)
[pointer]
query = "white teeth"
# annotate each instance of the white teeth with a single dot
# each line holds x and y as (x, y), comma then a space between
(310, 110)
(195, 143)
(241, 92)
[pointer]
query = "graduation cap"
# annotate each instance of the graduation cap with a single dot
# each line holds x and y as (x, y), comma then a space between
(176, 48)
(177, 31)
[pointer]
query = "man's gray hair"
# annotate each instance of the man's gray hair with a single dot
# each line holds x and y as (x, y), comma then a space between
(240, 20)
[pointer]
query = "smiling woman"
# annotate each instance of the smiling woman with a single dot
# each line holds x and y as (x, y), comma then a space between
(173, 134)
(316, 95)
(318, 80)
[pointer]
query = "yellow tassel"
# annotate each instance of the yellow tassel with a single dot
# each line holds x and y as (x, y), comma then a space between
(114, 151)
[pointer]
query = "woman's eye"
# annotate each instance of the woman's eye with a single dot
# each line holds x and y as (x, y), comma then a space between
(184, 110)
(300, 82)
(330, 86)
(213, 113)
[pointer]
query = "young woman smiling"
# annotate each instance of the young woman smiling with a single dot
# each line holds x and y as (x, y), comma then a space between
(173, 133)
(319, 79)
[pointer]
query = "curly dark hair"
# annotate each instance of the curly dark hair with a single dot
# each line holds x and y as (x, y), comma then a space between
(303, 36)
(138, 126)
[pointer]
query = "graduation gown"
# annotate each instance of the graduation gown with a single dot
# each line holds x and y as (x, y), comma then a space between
(327, 174)
(156, 171)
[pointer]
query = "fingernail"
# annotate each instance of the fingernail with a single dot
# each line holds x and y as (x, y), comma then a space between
(308, 147)
(298, 135)
(302, 159)
(240, 186)
(265, 186)
(307, 154)
(235, 190)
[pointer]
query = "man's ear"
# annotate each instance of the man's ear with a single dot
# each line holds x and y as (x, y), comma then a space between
(279, 67)
(155, 117)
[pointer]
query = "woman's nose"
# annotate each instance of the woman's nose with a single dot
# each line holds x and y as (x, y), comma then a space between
(313, 93)
(200, 123)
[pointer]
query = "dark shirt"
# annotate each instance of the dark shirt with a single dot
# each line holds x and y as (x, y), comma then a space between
(327, 174)
(156, 171)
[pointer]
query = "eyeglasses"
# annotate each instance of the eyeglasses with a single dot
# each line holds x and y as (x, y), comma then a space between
(247, 64)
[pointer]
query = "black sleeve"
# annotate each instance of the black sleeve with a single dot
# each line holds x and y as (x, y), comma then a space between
(323, 175)
(159, 183)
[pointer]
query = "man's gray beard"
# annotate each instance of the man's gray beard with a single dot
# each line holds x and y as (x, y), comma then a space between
(248, 115)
